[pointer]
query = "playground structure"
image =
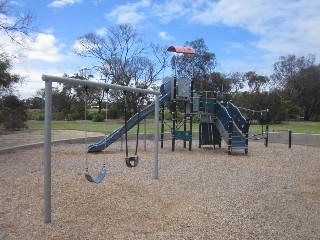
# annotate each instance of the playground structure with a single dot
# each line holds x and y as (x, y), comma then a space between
(216, 122)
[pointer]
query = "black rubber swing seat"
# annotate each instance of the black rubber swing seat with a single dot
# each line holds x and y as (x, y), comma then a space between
(99, 179)
(132, 161)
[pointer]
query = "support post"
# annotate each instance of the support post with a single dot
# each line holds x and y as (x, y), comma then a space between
(156, 137)
(290, 134)
(185, 123)
(267, 135)
(174, 113)
(145, 134)
(247, 136)
(200, 122)
(47, 152)
(191, 112)
(162, 125)
(230, 136)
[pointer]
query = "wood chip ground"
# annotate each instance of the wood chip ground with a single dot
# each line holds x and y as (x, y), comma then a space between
(272, 193)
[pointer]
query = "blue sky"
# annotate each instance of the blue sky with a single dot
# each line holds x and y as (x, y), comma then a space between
(244, 34)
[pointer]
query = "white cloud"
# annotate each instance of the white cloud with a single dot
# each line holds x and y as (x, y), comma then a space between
(282, 26)
(165, 12)
(46, 48)
(102, 32)
(83, 45)
(170, 10)
(164, 35)
(62, 3)
(129, 13)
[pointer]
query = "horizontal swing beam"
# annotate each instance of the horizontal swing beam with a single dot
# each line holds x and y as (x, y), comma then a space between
(75, 81)
(47, 129)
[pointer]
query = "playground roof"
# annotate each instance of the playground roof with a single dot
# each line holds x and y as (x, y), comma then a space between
(179, 49)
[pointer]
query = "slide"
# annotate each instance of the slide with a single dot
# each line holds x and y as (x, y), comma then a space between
(165, 96)
(232, 126)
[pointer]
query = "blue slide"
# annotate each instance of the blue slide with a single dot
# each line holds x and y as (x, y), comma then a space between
(232, 126)
(165, 96)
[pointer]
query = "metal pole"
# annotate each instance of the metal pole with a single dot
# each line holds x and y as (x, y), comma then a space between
(191, 111)
(145, 134)
(174, 113)
(74, 81)
(230, 136)
(47, 152)
(267, 135)
(156, 137)
(162, 125)
(290, 133)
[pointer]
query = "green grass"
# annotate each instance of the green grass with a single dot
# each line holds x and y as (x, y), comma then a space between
(296, 127)
(91, 126)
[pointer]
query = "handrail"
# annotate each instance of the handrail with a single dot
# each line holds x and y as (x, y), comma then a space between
(223, 115)
(237, 117)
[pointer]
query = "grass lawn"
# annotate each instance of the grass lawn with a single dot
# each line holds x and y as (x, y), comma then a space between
(296, 127)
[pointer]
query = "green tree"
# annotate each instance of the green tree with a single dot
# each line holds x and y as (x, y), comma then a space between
(201, 65)
(7, 79)
(15, 24)
(258, 101)
(13, 113)
(288, 67)
(255, 81)
(298, 78)
(35, 103)
(236, 81)
(304, 88)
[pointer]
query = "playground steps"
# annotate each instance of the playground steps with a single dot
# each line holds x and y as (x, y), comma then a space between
(230, 119)
(238, 141)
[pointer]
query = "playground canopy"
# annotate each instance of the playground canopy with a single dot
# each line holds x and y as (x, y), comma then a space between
(179, 49)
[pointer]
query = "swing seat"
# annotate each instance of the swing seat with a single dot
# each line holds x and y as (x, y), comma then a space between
(99, 179)
(132, 161)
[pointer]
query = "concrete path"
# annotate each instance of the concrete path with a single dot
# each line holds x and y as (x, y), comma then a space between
(32, 138)
(10, 141)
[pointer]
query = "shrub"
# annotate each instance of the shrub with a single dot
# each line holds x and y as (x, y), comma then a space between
(315, 118)
(113, 113)
(13, 113)
(98, 117)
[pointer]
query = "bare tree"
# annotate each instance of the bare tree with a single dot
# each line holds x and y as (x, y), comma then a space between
(14, 22)
(17, 26)
(125, 58)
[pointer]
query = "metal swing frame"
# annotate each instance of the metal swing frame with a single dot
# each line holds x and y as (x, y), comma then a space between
(47, 128)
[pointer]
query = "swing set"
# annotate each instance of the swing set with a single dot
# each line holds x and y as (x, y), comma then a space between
(130, 161)
(47, 133)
